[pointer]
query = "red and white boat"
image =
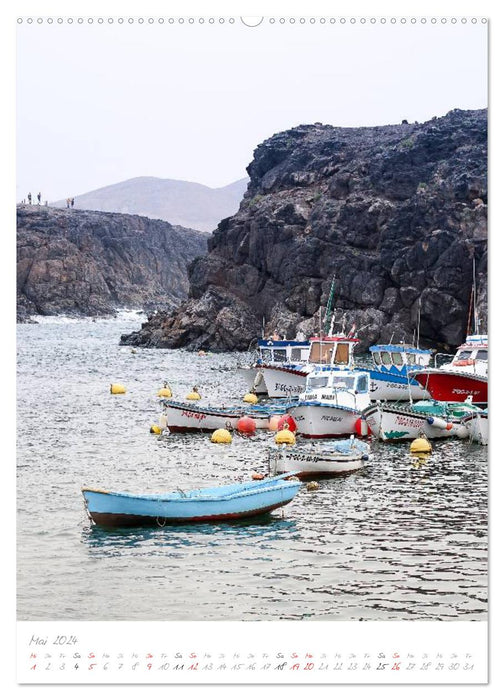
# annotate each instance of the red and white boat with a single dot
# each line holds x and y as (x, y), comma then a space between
(465, 376)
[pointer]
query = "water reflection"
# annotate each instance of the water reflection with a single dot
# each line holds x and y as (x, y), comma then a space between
(258, 531)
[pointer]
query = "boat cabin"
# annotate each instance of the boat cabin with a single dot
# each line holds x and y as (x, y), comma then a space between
(473, 353)
(283, 351)
(337, 386)
(400, 357)
(349, 381)
(332, 350)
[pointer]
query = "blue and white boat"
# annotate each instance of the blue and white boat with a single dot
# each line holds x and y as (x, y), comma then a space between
(272, 354)
(231, 502)
(332, 404)
(389, 380)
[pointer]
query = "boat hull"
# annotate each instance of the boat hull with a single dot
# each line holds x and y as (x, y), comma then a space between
(254, 378)
(477, 426)
(385, 386)
(283, 382)
(310, 463)
(454, 386)
(122, 509)
(391, 423)
(317, 421)
(187, 418)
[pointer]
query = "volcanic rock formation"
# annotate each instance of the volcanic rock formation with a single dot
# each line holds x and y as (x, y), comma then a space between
(85, 263)
(396, 214)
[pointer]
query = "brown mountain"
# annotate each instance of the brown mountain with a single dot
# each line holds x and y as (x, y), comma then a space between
(187, 204)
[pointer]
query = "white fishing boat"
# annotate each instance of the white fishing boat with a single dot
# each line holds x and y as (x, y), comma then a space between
(334, 458)
(477, 426)
(332, 403)
(183, 417)
(434, 419)
(272, 354)
(389, 380)
(289, 379)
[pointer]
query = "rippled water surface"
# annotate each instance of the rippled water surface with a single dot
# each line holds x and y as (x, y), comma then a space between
(401, 539)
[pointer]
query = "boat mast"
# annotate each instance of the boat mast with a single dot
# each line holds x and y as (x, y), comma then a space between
(476, 319)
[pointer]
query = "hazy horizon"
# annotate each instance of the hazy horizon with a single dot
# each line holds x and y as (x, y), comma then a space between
(99, 105)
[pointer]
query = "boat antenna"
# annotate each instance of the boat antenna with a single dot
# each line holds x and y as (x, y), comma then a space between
(263, 326)
(470, 310)
(391, 338)
(419, 316)
(329, 305)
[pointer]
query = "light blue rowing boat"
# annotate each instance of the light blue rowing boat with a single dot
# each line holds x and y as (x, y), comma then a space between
(229, 502)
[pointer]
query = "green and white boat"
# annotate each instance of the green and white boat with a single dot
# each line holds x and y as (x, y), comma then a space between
(433, 419)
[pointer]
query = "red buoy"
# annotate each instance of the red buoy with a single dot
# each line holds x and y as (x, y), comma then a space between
(246, 425)
(361, 427)
(287, 422)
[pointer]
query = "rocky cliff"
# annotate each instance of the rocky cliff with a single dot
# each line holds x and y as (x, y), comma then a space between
(396, 214)
(91, 263)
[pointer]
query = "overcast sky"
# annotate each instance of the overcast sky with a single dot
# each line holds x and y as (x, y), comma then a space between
(98, 104)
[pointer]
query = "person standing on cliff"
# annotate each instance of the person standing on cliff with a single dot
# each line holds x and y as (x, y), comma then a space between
(39, 197)
(29, 197)
(72, 201)
(68, 202)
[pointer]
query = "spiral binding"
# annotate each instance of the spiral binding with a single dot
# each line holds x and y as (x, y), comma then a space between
(251, 21)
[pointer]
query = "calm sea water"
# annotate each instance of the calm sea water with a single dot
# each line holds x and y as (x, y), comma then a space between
(402, 539)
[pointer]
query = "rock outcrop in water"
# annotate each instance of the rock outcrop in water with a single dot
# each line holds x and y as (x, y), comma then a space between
(91, 263)
(395, 213)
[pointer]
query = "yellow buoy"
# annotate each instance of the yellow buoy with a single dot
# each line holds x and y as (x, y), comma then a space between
(312, 486)
(193, 395)
(117, 389)
(250, 398)
(222, 436)
(285, 437)
(156, 429)
(165, 392)
(420, 445)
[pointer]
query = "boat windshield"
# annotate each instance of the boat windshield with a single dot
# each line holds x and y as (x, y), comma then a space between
(296, 354)
(411, 359)
(343, 382)
(321, 353)
(342, 354)
(482, 355)
(265, 354)
(279, 355)
(397, 359)
(377, 358)
(385, 356)
(316, 382)
(463, 355)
